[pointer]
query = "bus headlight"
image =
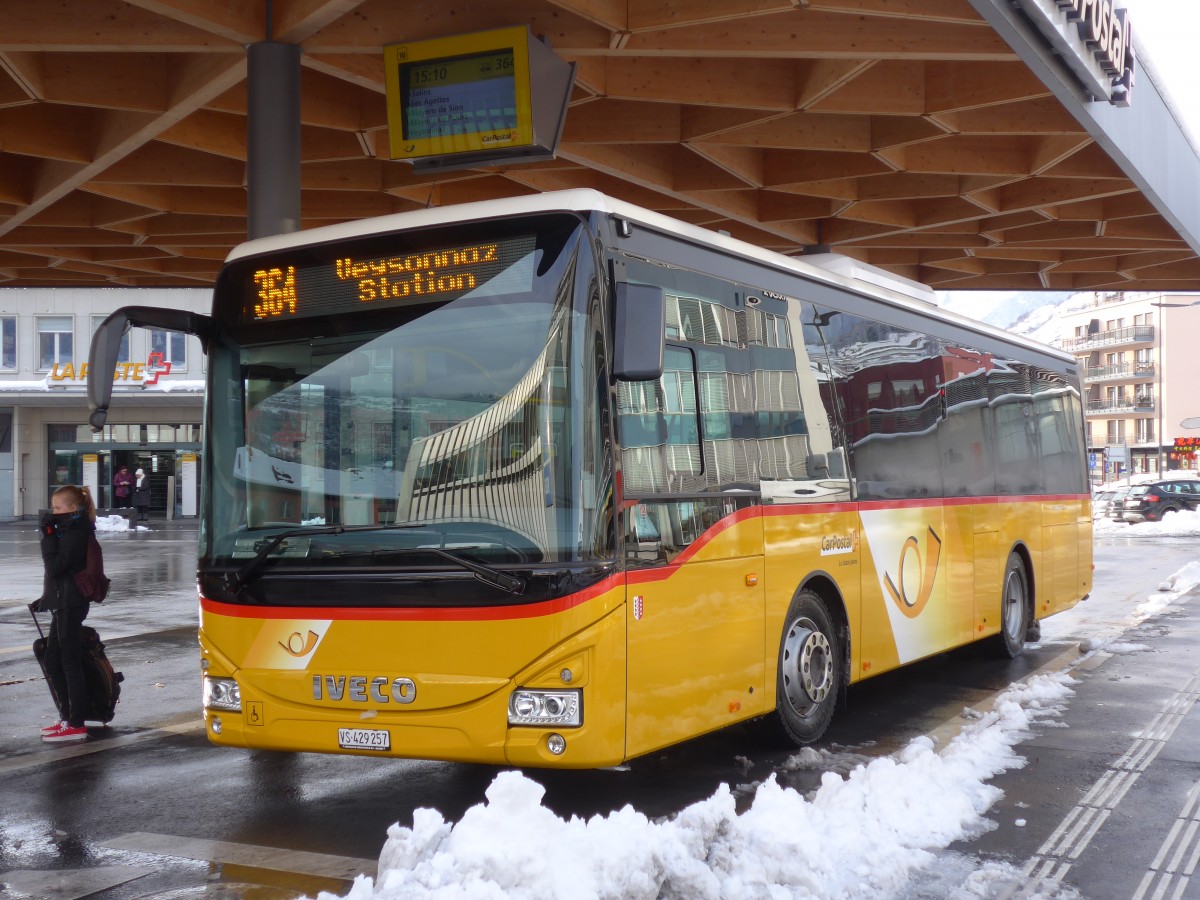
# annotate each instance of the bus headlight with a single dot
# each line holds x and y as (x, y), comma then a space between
(222, 693)
(528, 707)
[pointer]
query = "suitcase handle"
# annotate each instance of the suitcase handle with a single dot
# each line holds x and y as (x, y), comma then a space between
(36, 622)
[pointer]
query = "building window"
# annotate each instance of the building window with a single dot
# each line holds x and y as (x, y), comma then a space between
(123, 353)
(1145, 431)
(8, 343)
(55, 344)
(172, 345)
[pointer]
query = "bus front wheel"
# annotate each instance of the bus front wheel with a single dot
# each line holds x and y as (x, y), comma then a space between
(810, 670)
(1014, 609)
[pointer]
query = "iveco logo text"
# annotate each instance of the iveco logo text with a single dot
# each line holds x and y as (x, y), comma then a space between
(833, 544)
(361, 689)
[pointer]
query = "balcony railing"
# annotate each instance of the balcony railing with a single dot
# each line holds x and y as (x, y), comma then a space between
(1132, 334)
(1125, 370)
(1120, 406)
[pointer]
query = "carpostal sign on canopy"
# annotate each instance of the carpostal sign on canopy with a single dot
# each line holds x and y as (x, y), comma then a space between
(1094, 39)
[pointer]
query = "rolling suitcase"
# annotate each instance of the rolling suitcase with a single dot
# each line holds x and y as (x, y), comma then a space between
(103, 684)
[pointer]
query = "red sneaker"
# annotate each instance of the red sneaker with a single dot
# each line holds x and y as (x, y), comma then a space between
(50, 729)
(65, 734)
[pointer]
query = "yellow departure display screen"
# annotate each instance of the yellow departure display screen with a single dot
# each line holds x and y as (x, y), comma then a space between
(291, 289)
(474, 94)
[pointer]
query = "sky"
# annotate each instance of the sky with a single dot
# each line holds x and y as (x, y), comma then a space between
(861, 834)
(1167, 30)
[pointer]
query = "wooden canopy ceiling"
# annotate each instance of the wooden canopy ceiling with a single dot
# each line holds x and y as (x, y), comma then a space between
(905, 133)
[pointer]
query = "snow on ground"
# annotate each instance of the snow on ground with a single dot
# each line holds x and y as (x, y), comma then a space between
(1185, 523)
(861, 835)
(116, 523)
(864, 833)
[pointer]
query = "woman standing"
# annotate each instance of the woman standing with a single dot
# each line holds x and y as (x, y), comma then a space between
(122, 484)
(65, 531)
(141, 494)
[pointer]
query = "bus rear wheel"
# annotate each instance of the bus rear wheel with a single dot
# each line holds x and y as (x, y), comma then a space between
(810, 671)
(1014, 609)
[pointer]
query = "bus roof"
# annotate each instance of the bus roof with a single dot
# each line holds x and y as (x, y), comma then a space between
(829, 268)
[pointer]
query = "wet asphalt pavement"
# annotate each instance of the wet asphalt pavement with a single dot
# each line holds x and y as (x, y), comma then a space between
(1108, 806)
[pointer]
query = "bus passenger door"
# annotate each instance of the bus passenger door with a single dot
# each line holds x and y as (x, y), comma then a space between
(694, 618)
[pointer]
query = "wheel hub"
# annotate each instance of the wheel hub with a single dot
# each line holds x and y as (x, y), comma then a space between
(808, 666)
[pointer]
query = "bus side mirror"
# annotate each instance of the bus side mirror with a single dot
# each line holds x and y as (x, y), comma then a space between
(639, 332)
(106, 347)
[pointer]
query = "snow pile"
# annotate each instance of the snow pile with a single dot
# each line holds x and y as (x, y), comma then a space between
(861, 835)
(1176, 586)
(112, 523)
(1185, 523)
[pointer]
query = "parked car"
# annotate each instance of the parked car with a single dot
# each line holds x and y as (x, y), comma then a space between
(1100, 502)
(1150, 502)
(1114, 509)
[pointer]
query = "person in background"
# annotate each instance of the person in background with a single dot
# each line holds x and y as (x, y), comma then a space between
(141, 494)
(64, 536)
(122, 487)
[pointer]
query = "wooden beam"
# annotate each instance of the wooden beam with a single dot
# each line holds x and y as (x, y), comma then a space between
(233, 20)
(808, 33)
(890, 87)
(623, 122)
(951, 11)
(817, 79)
(157, 163)
(743, 163)
(742, 83)
(48, 131)
(297, 21)
(1038, 115)
(217, 133)
(798, 167)
(191, 91)
(664, 14)
(26, 73)
(374, 24)
(962, 85)
(696, 172)
(103, 25)
(803, 131)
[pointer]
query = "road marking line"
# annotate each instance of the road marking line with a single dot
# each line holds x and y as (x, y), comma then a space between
(300, 862)
(1084, 821)
(48, 754)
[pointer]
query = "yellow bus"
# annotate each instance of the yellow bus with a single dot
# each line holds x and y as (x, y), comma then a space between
(559, 481)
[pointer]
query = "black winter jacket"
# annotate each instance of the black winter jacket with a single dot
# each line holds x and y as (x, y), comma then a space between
(64, 554)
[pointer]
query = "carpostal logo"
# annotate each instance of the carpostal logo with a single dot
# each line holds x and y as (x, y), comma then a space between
(927, 570)
(499, 137)
(835, 544)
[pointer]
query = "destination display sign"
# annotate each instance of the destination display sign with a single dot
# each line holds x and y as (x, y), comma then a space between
(294, 288)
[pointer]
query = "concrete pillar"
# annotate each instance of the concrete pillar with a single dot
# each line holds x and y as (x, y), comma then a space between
(273, 139)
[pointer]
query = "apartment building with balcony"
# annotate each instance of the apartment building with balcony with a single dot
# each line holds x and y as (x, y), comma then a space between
(1139, 354)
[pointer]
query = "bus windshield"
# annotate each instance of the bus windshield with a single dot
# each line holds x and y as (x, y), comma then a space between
(456, 424)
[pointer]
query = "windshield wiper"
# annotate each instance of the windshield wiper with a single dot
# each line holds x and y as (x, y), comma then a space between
(511, 583)
(235, 581)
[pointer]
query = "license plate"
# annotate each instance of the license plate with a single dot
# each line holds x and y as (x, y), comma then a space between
(364, 739)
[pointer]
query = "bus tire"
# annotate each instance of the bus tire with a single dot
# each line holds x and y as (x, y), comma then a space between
(1014, 609)
(810, 671)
